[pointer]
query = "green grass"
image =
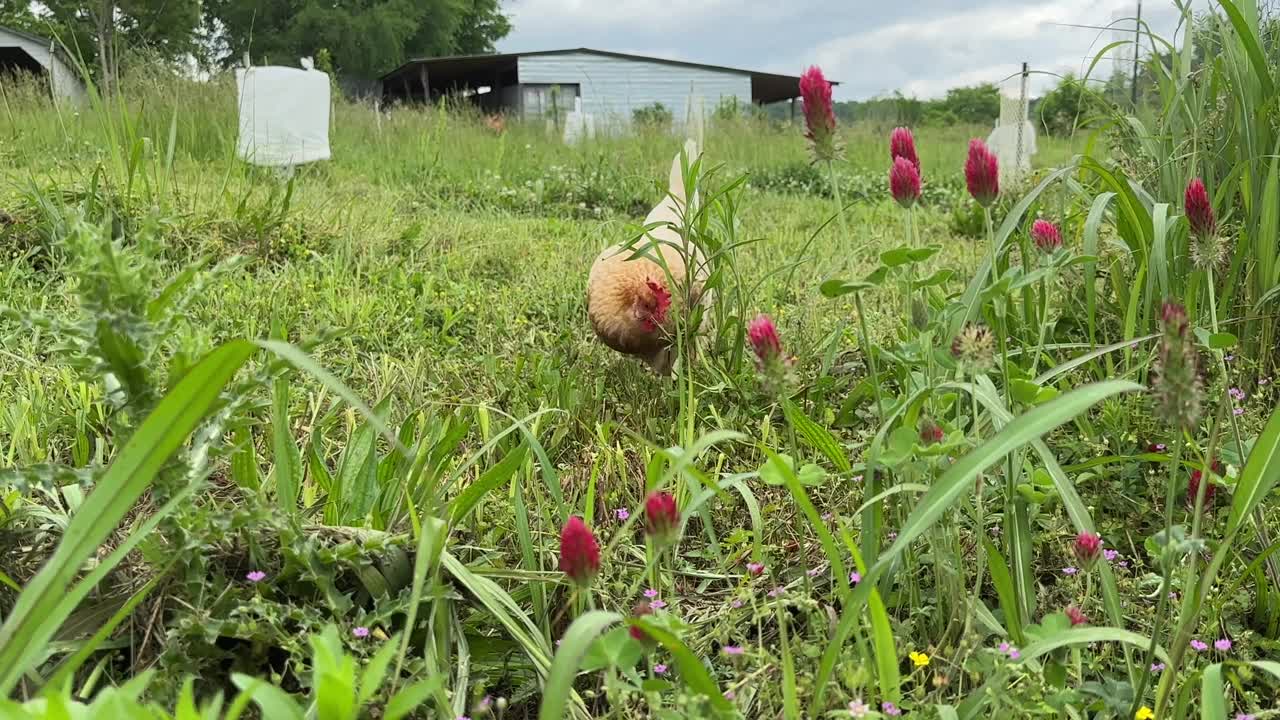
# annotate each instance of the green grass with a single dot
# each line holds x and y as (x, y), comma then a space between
(435, 272)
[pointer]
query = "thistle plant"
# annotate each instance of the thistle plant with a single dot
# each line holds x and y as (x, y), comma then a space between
(1176, 393)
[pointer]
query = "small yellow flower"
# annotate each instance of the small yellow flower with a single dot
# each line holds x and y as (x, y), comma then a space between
(920, 659)
(1144, 713)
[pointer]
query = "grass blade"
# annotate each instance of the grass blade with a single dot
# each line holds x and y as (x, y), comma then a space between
(35, 615)
(288, 470)
(1248, 38)
(1260, 474)
(564, 668)
(1213, 696)
(692, 671)
(1086, 635)
(947, 490)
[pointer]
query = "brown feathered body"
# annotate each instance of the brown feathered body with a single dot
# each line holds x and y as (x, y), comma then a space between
(631, 304)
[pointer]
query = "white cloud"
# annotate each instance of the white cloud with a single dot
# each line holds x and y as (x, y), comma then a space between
(922, 47)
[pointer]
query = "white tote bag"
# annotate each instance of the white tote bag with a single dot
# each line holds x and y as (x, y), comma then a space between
(284, 115)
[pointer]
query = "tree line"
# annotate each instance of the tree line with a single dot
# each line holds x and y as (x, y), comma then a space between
(362, 38)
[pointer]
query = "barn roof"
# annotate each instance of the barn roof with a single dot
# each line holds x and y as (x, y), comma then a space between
(765, 87)
(55, 47)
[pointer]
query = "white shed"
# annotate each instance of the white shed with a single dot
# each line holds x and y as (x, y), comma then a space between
(607, 85)
(22, 52)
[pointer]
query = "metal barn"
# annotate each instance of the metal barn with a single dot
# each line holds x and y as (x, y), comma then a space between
(609, 85)
(21, 53)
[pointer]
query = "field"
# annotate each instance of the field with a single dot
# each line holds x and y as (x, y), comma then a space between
(304, 446)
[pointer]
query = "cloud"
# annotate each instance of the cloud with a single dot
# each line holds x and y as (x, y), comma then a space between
(922, 47)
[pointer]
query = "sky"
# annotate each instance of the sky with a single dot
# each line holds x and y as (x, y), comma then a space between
(872, 47)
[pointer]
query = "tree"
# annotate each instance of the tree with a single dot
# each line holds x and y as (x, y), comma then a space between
(976, 105)
(1066, 106)
(365, 37)
(95, 30)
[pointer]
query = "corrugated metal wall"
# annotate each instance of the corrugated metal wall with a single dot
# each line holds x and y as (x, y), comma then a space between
(612, 87)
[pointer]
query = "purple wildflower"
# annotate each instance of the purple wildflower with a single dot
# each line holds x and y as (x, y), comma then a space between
(256, 576)
(813, 572)
(1238, 411)
(890, 709)
(854, 578)
(361, 632)
(777, 592)
(1110, 554)
(657, 604)
(622, 513)
(1070, 570)
(732, 650)
(1157, 667)
(659, 669)
(651, 593)
(1222, 645)
(1199, 646)
(1236, 393)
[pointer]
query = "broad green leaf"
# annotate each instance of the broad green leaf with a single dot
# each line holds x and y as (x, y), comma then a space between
(493, 478)
(906, 255)
(1222, 341)
(615, 648)
(568, 657)
(816, 436)
(940, 277)
(1024, 391)
(836, 288)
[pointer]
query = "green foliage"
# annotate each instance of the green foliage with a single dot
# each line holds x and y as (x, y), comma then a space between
(364, 518)
(365, 40)
(1068, 107)
(655, 116)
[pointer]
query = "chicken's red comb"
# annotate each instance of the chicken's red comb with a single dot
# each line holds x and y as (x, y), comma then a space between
(661, 299)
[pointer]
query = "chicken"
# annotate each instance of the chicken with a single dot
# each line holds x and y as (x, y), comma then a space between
(630, 305)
